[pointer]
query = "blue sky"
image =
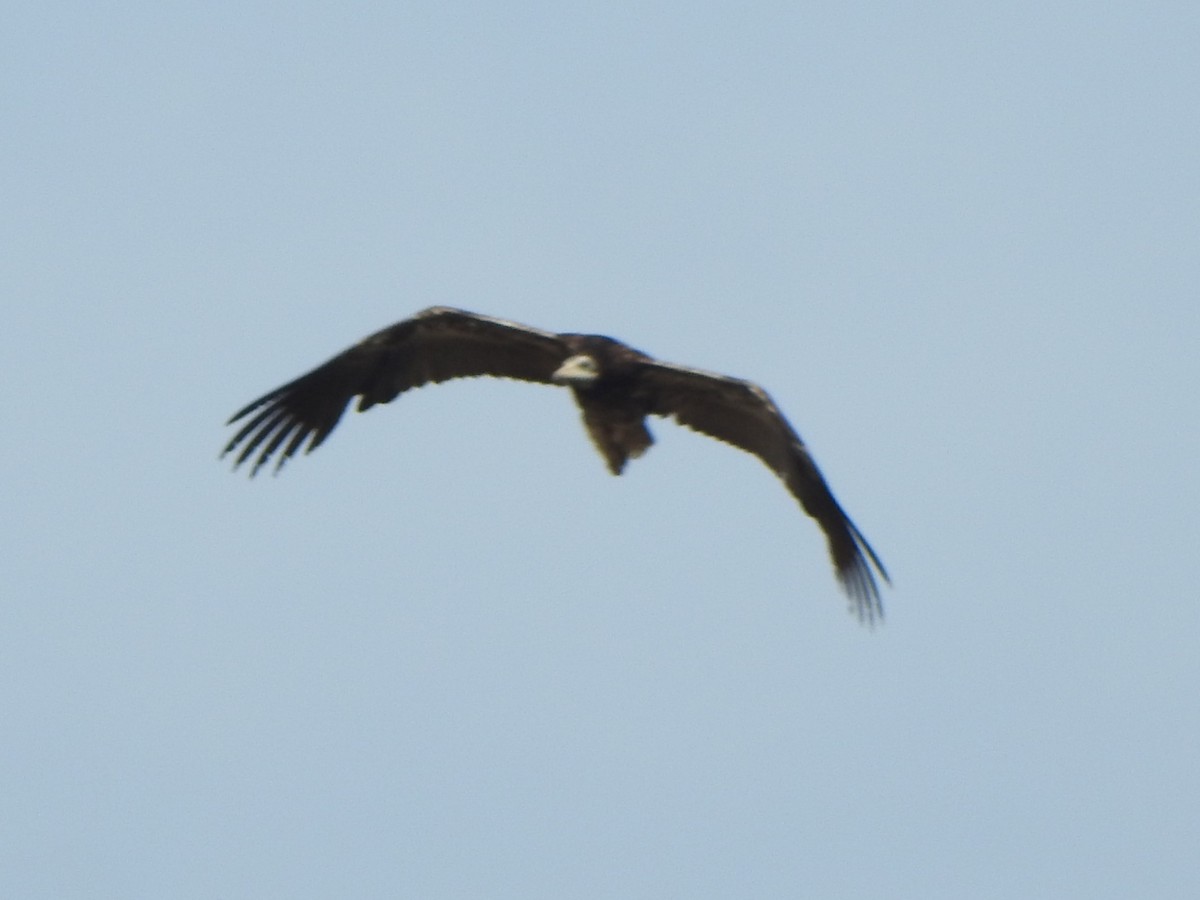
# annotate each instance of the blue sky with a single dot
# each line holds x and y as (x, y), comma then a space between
(448, 654)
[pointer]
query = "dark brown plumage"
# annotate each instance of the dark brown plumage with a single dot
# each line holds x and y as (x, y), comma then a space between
(615, 386)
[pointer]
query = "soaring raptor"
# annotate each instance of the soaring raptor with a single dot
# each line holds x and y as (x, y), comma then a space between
(615, 386)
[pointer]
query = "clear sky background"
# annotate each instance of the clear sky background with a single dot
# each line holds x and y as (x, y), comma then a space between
(448, 655)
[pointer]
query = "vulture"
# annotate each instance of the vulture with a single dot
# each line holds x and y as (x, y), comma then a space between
(615, 387)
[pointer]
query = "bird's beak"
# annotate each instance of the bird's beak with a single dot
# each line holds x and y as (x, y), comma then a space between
(576, 370)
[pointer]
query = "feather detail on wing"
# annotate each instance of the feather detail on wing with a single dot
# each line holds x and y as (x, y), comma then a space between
(435, 345)
(742, 414)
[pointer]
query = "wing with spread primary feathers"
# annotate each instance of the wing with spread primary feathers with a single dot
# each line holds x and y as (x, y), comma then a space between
(435, 345)
(742, 414)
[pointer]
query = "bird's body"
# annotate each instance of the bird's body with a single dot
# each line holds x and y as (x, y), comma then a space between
(615, 387)
(609, 395)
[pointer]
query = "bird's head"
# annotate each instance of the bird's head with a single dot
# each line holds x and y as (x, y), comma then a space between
(579, 370)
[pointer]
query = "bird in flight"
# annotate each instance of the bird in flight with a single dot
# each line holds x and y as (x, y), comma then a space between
(615, 387)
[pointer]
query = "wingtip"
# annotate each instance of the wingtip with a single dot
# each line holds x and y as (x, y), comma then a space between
(858, 583)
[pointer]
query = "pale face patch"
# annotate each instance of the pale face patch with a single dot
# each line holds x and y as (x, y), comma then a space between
(580, 369)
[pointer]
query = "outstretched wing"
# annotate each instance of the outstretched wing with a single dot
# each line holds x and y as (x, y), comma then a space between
(742, 414)
(435, 345)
